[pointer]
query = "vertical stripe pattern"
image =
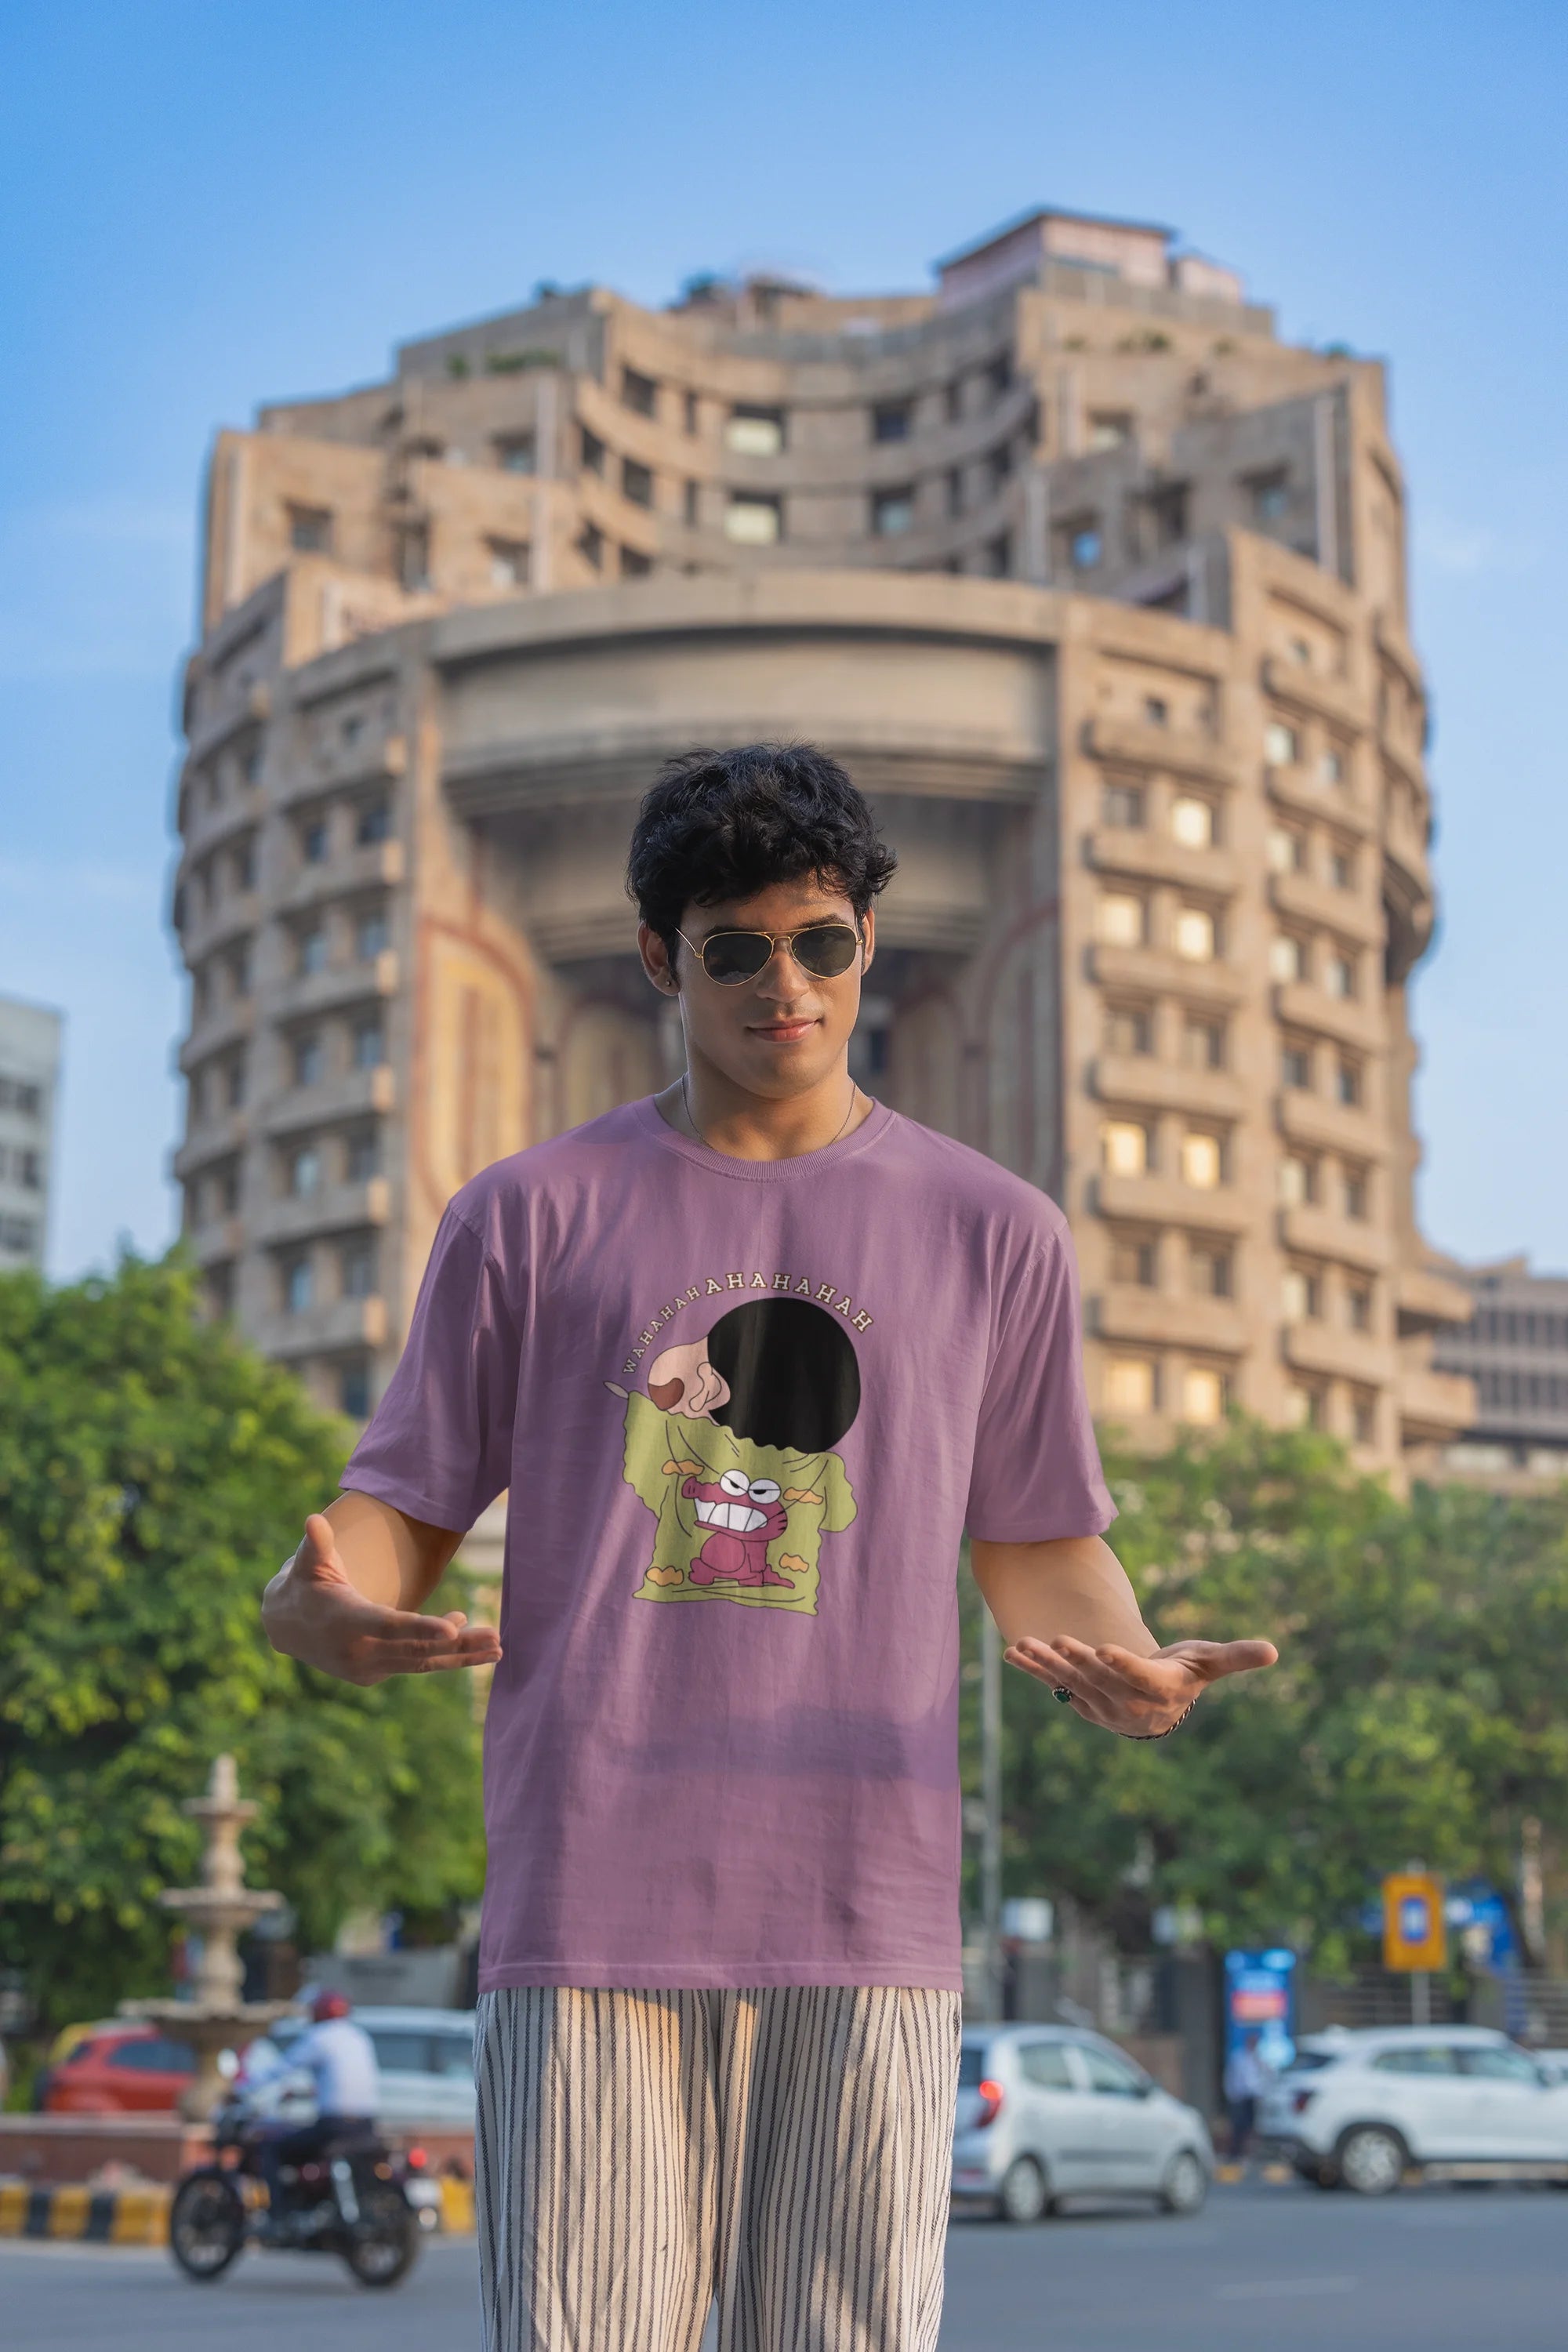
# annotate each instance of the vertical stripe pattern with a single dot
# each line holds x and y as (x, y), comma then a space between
(783, 2153)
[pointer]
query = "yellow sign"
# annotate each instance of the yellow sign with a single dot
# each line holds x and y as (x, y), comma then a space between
(1413, 1933)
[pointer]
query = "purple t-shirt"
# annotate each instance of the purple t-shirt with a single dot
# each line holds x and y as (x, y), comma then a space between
(746, 1410)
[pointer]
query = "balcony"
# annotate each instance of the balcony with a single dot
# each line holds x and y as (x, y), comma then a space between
(1348, 912)
(1152, 972)
(331, 1209)
(235, 917)
(208, 1141)
(1434, 1405)
(1143, 1079)
(353, 768)
(228, 1024)
(211, 1245)
(315, 993)
(356, 1094)
(1352, 1020)
(1179, 751)
(382, 862)
(252, 707)
(1300, 791)
(1161, 1200)
(335, 1326)
(207, 825)
(1346, 1240)
(1161, 1318)
(1430, 1301)
(1129, 849)
(1305, 688)
(1331, 1350)
(1331, 1127)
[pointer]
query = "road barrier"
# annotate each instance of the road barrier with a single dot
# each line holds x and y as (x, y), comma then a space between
(104, 2217)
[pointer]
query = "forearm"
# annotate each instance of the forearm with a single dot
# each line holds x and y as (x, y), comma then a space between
(1075, 1587)
(380, 1554)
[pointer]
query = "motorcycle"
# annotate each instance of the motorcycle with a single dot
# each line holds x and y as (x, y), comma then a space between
(352, 2201)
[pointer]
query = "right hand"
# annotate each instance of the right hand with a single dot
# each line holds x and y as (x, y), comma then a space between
(313, 1611)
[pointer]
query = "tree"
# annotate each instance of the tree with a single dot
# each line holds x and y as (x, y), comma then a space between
(154, 1472)
(1415, 1710)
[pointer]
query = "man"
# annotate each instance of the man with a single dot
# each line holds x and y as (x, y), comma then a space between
(750, 1356)
(1247, 2075)
(340, 2058)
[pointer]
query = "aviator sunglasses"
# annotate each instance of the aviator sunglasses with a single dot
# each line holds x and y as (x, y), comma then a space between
(732, 957)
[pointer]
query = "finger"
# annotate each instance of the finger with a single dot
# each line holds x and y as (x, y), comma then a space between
(319, 1547)
(1048, 1667)
(1210, 1660)
(1084, 1670)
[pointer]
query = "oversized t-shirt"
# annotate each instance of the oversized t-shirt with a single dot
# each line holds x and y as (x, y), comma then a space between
(746, 1410)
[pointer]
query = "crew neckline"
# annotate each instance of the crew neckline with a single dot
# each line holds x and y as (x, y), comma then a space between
(762, 1171)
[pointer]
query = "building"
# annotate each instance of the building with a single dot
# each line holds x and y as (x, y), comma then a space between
(29, 1080)
(1514, 1348)
(1099, 588)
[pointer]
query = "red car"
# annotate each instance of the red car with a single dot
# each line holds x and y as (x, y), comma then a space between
(119, 2070)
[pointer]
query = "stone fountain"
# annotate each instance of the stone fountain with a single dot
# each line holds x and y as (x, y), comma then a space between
(220, 1909)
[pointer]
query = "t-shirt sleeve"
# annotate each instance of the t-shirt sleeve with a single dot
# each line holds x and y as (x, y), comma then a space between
(1037, 1473)
(439, 1443)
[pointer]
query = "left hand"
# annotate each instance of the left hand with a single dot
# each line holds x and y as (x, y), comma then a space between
(1140, 1698)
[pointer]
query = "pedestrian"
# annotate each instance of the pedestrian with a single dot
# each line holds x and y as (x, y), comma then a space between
(750, 1354)
(1247, 2075)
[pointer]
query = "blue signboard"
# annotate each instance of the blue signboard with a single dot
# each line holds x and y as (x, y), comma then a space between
(1260, 2005)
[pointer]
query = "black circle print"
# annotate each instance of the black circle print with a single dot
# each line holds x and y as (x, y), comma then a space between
(794, 1381)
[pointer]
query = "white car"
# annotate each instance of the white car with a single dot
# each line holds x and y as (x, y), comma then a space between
(1046, 2113)
(425, 2057)
(1359, 2109)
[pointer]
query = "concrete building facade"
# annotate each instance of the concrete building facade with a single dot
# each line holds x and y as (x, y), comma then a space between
(30, 1082)
(1514, 1348)
(1096, 586)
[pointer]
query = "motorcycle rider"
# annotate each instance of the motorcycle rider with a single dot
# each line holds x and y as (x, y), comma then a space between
(340, 2058)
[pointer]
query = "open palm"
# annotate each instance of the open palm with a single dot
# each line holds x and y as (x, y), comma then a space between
(1140, 1698)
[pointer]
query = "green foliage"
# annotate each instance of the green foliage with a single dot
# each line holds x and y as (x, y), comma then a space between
(154, 1472)
(1415, 1711)
(517, 362)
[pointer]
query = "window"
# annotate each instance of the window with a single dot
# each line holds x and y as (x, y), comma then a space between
(1168, 514)
(1133, 1259)
(357, 1269)
(636, 482)
(891, 420)
(1084, 548)
(1129, 1029)
(1193, 822)
(1156, 710)
(353, 1391)
(1332, 767)
(515, 453)
(236, 1082)
(1124, 1147)
(999, 556)
(591, 545)
(1358, 1306)
(1281, 744)
(1287, 957)
(1301, 1296)
(955, 490)
(1194, 935)
(1347, 1084)
(1295, 1066)
(414, 557)
(1303, 1407)
(755, 431)
(1114, 2077)
(1109, 428)
(299, 1287)
(17, 1233)
(1203, 1394)
(955, 400)
(692, 412)
(361, 1155)
(635, 564)
(1342, 870)
(1130, 1384)
(152, 2055)
(1121, 919)
(310, 530)
(999, 374)
(893, 512)
(753, 521)
(593, 452)
(1209, 1269)
(1046, 2066)
(1202, 1043)
(1298, 1181)
(1354, 1187)
(374, 824)
(370, 1045)
(1363, 1416)
(1435, 2059)
(639, 393)
(1340, 978)
(691, 507)
(244, 866)
(18, 1094)
(310, 950)
(26, 1167)
(1270, 495)
(509, 562)
(1203, 1161)
(1287, 850)
(305, 1172)
(999, 464)
(1122, 805)
(370, 934)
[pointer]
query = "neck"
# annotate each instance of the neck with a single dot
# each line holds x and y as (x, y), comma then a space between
(744, 1125)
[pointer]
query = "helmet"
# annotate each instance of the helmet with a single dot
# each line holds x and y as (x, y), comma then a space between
(330, 2004)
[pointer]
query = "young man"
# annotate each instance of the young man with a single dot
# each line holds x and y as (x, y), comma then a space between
(750, 1356)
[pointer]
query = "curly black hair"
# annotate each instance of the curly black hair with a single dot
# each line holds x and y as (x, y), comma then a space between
(725, 825)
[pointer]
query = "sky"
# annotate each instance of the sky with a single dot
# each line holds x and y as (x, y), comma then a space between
(207, 207)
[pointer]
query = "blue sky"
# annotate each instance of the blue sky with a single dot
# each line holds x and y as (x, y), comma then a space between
(208, 206)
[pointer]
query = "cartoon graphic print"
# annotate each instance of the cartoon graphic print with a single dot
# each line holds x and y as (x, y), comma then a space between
(731, 1450)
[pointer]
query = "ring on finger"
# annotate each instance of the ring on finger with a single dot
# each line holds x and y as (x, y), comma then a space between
(1060, 1691)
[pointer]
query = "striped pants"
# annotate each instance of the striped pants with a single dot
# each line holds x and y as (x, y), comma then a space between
(783, 2153)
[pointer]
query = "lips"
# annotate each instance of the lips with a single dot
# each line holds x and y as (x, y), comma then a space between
(740, 1518)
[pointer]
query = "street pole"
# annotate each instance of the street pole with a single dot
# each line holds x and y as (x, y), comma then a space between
(991, 1796)
(1420, 1997)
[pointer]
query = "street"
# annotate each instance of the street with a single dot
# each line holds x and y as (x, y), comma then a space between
(1285, 2269)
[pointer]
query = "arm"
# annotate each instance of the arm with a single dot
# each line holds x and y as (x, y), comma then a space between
(1070, 1619)
(349, 1601)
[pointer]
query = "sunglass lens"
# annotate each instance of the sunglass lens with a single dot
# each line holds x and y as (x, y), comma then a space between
(826, 950)
(730, 957)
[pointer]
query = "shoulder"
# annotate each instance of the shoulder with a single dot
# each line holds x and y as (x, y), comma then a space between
(975, 1193)
(495, 1204)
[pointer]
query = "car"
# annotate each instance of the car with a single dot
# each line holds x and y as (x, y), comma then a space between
(425, 2058)
(1050, 2113)
(119, 2068)
(1358, 2109)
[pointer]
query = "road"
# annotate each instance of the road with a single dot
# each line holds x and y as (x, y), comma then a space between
(1281, 2270)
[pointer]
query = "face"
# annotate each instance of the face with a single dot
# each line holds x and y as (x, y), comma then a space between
(785, 1031)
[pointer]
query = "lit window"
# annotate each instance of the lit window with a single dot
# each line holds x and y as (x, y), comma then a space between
(514, 453)
(1133, 1260)
(1203, 1394)
(299, 1287)
(310, 530)
(373, 824)
(1084, 547)
(753, 521)
(1130, 1384)
(1128, 1029)
(1202, 1043)
(1299, 1296)
(1296, 1066)
(1287, 850)
(312, 950)
(1121, 919)
(1297, 1180)
(1202, 1160)
(1108, 430)
(1194, 935)
(1340, 976)
(1287, 957)
(1281, 744)
(892, 512)
(755, 431)
(509, 562)
(371, 936)
(370, 1045)
(891, 420)
(305, 1172)
(1193, 822)
(1122, 805)
(1302, 1410)
(636, 482)
(1331, 768)
(1124, 1144)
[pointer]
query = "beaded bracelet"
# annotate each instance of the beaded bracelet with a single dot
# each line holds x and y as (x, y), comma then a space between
(1059, 1691)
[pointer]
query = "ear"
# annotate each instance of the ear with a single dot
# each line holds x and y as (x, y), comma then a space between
(656, 961)
(867, 940)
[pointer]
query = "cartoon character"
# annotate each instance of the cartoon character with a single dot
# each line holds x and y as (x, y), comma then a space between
(731, 1449)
